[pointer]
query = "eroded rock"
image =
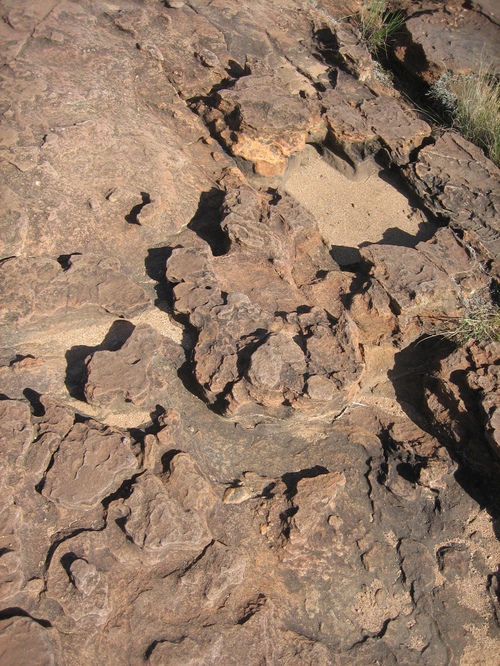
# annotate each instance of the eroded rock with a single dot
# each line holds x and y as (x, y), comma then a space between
(261, 134)
(90, 463)
(458, 183)
(37, 287)
(23, 639)
(325, 506)
(135, 373)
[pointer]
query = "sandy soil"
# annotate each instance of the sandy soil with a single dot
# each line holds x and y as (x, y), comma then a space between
(353, 213)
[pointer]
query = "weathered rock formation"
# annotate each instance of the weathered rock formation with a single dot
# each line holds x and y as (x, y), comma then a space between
(217, 445)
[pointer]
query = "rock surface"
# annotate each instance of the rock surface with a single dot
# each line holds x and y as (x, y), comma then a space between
(452, 38)
(217, 446)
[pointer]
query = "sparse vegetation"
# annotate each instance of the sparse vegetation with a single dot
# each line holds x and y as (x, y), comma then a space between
(377, 24)
(481, 325)
(472, 103)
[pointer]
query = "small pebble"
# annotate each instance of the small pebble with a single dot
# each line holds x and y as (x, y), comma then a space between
(236, 495)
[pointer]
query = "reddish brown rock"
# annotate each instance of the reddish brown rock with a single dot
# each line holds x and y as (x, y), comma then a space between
(260, 134)
(16, 431)
(361, 122)
(135, 373)
(460, 185)
(167, 517)
(23, 640)
(37, 287)
(468, 397)
(435, 281)
(90, 463)
(456, 39)
(325, 507)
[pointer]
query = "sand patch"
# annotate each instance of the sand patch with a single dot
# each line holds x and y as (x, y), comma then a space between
(351, 213)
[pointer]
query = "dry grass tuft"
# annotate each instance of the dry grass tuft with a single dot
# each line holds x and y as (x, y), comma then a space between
(472, 101)
(378, 24)
(481, 325)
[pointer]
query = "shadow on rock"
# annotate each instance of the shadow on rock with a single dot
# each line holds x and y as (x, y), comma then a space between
(155, 265)
(442, 403)
(396, 236)
(76, 370)
(207, 219)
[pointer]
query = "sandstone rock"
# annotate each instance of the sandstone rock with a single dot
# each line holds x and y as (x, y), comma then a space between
(458, 41)
(43, 137)
(361, 122)
(457, 183)
(36, 287)
(79, 586)
(261, 134)
(90, 463)
(355, 55)
(244, 352)
(24, 640)
(414, 285)
(16, 431)
(134, 372)
(325, 507)
(469, 395)
(164, 518)
(371, 310)
(11, 577)
(229, 330)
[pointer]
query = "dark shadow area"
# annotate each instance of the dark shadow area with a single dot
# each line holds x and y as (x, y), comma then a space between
(123, 492)
(133, 216)
(33, 397)
(207, 219)
(155, 265)
(345, 256)
(167, 458)
(55, 545)
(396, 236)
(291, 479)
(65, 259)
(328, 51)
(18, 358)
(415, 372)
(235, 70)
(14, 611)
(66, 561)
(156, 262)
(76, 369)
